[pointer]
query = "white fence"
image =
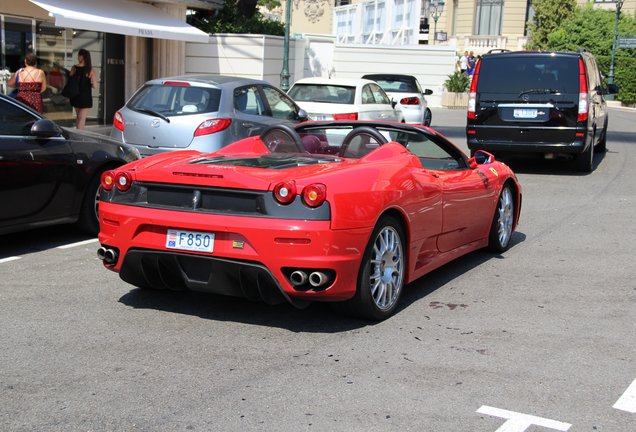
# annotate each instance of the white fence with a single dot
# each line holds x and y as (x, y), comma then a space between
(261, 57)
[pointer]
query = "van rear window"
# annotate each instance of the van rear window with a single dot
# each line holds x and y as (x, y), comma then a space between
(518, 74)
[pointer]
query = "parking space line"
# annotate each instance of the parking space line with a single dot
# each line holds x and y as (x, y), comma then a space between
(627, 402)
(13, 258)
(518, 422)
(77, 244)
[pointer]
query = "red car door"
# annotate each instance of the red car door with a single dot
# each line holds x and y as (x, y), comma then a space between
(468, 197)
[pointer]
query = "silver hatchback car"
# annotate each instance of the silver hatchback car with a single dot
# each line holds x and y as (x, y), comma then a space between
(200, 112)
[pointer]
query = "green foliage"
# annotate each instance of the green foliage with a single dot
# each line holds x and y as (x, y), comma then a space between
(548, 15)
(457, 82)
(624, 75)
(593, 28)
(269, 4)
(230, 19)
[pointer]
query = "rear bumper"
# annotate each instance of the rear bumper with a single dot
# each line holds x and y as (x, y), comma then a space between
(252, 257)
(576, 147)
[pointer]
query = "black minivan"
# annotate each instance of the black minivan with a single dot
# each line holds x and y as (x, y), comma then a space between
(538, 102)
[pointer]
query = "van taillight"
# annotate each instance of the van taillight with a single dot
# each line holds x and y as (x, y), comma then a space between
(472, 96)
(118, 121)
(583, 102)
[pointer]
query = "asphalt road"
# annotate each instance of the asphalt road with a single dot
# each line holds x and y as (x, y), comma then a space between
(540, 338)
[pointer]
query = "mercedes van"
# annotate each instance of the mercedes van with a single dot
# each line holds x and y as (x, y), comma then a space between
(538, 102)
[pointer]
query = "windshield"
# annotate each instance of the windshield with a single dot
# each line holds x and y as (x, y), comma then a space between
(175, 100)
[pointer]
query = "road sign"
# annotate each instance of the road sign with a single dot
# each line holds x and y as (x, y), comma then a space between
(626, 42)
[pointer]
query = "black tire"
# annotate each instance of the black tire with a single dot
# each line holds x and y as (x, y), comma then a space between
(380, 283)
(89, 220)
(428, 117)
(501, 228)
(585, 160)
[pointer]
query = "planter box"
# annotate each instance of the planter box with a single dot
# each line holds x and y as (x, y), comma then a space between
(454, 100)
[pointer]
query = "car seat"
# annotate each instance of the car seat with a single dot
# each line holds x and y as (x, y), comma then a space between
(192, 98)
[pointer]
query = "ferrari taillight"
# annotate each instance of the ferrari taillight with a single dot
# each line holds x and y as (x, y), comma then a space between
(472, 96)
(123, 181)
(314, 194)
(285, 192)
(583, 102)
(118, 121)
(211, 126)
(346, 116)
(410, 101)
(107, 180)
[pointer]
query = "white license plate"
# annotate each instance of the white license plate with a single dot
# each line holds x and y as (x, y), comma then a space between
(525, 113)
(320, 117)
(190, 240)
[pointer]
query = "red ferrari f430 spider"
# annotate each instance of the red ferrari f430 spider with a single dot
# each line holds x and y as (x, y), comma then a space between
(340, 211)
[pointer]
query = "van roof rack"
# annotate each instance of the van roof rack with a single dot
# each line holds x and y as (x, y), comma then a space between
(498, 50)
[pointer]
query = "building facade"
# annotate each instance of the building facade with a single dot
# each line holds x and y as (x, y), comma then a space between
(129, 41)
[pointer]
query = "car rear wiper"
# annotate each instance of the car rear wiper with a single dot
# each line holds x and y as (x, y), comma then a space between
(154, 113)
(539, 91)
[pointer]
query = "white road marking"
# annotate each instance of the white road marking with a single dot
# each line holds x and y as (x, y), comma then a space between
(82, 243)
(627, 402)
(518, 422)
(4, 260)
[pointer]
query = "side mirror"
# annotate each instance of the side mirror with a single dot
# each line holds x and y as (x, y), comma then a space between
(428, 92)
(393, 102)
(302, 115)
(45, 128)
(612, 89)
(481, 157)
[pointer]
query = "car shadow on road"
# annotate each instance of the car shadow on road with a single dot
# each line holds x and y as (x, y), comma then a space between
(537, 164)
(41, 239)
(316, 318)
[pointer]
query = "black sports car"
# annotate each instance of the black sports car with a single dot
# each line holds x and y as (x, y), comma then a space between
(50, 174)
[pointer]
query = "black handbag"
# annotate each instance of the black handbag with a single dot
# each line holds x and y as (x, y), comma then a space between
(71, 89)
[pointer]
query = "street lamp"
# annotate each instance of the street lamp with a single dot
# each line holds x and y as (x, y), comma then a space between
(284, 74)
(437, 7)
(610, 78)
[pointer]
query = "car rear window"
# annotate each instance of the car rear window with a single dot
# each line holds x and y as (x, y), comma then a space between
(323, 93)
(398, 86)
(174, 100)
(521, 74)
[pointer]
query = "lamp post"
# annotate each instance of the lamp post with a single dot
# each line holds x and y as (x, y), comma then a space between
(284, 74)
(610, 78)
(437, 7)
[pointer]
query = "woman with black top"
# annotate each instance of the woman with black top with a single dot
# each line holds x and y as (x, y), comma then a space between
(85, 74)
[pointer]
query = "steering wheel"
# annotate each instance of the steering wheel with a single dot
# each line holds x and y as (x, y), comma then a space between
(371, 134)
(282, 138)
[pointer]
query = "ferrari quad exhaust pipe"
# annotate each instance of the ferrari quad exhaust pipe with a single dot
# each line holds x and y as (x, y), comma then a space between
(317, 279)
(298, 278)
(109, 256)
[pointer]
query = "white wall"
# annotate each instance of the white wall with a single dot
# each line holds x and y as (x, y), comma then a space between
(261, 57)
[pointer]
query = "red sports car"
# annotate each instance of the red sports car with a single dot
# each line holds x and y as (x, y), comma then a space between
(340, 211)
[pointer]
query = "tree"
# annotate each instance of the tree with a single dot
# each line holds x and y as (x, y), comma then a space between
(238, 16)
(593, 29)
(548, 15)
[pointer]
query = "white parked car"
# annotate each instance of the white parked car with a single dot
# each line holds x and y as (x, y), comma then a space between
(344, 99)
(406, 90)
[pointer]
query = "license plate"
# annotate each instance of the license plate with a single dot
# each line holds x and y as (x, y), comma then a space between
(190, 240)
(320, 117)
(525, 113)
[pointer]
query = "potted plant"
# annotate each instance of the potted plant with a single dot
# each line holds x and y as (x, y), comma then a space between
(456, 90)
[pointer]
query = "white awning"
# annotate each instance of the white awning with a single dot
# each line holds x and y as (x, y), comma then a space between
(121, 17)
